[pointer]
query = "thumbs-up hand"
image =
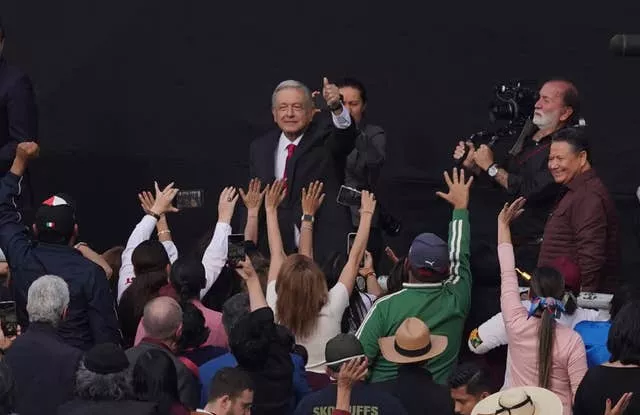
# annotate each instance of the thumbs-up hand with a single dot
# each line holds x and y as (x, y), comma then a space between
(331, 94)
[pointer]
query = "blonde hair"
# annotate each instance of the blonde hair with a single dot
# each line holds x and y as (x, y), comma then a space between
(302, 292)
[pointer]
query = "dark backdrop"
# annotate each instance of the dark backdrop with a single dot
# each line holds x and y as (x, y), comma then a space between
(136, 90)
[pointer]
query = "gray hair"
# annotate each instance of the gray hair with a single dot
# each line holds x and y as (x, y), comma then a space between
(288, 84)
(103, 387)
(234, 309)
(47, 299)
(162, 318)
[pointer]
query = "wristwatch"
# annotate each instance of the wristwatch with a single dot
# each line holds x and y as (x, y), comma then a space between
(307, 218)
(493, 170)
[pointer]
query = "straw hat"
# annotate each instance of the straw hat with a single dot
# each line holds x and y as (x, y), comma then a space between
(524, 400)
(413, 342)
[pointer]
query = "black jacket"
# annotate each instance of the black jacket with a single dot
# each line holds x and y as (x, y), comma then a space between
(321, 155)
(18, 119)
(84, 407)
(91, 317)
(18, 112)
(44, 368)
(260, 352)
(419, 394)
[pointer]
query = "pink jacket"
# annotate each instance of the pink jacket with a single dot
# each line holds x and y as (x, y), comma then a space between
(569, 357)
(212, 319)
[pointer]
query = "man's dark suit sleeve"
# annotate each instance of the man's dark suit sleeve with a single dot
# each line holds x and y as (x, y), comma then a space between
(342, 141)
(22, 116)
(101, 309)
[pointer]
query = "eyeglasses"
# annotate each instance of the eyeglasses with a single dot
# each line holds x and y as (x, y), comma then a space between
(294, 107)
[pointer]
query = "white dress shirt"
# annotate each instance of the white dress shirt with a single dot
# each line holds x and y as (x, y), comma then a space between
(341, 121)
(213, 260)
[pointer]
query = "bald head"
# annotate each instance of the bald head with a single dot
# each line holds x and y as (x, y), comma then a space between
(162, 318)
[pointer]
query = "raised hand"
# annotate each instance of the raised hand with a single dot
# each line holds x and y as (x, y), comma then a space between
(391, 255)
(620, 407)
(458, 194)
(245, 269)
(511, 211)
(27, 150)
(458, 153)
(367, 202)
(368, 264)
(312, 198)
(276, 193)
(164, 199)
(146, 201)
(330, 93)
(253, 197)
(227, 204)
(353, 371)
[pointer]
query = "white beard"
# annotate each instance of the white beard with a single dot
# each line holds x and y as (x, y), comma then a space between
(542, 120)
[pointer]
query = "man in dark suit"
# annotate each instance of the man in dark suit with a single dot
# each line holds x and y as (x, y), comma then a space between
(304, 149)
(18, 114)
(43, 365)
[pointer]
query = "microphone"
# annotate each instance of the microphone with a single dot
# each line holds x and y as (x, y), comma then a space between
(625, 45)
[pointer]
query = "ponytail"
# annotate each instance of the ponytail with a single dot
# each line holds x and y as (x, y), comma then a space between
(545, 347)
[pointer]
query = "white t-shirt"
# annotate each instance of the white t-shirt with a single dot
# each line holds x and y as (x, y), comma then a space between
(493, 332)
(327, 326)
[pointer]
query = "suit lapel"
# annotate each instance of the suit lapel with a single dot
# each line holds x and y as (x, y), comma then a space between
(309, 138)
(270, 149)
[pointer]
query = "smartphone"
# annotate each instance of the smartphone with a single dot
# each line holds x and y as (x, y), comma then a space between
(351, 237)
(8, 318)
(186, 199)
(348, 196)
(236, 251)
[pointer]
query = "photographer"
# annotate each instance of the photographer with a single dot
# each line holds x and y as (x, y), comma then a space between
(525, 172)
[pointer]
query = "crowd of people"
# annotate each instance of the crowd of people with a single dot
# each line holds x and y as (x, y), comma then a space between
(288, 322)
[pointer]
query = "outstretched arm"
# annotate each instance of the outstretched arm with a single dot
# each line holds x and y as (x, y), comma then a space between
(510, 304)
(311, 201)
(350, 270)
(253, 201)
(275, 195)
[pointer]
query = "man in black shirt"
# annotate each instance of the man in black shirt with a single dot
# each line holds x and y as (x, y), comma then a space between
(525, 172)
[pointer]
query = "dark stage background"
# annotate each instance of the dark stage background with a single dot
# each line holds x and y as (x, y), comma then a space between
(137, 90)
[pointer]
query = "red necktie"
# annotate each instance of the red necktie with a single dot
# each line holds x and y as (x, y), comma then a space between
(290, 149)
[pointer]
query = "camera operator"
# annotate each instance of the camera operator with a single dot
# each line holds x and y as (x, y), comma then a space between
(525, 172)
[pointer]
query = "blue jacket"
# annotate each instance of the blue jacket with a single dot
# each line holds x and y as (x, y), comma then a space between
(208, 372)
(91, 317)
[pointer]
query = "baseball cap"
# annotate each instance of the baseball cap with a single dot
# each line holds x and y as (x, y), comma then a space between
(428, 251)
(55, 218)
(340, 349)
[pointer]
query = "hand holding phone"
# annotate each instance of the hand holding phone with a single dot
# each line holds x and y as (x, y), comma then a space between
(8, 318)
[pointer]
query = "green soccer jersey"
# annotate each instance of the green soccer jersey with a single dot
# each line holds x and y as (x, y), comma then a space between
(442, 306)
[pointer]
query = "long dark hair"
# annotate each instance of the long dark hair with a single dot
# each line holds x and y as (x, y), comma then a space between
(357, 310)
(150, 262)
(188, 278)
(397, 276)
(546, 282)
(194, 329)
(155, 379)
